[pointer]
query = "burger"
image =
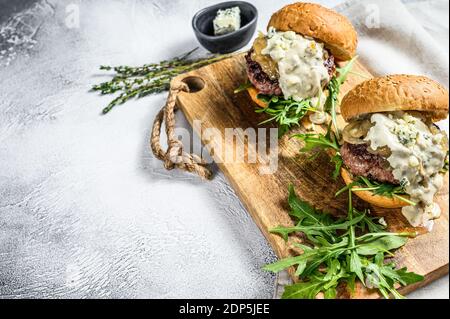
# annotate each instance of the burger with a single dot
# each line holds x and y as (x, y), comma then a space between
(393, 153)
(291, 67)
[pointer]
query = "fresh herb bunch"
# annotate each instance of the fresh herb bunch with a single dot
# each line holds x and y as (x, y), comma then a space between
(334, 88)
(285, 112)
(329, 142)
(340, 252)
(137, 82)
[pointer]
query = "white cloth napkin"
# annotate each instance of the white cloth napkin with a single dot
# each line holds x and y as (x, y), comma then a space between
(395, 37)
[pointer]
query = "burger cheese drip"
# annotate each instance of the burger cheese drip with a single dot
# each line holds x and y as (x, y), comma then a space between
(417, 155)
(300, 64)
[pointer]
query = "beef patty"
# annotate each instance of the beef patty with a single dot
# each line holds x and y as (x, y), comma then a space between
(265, 85)
(260, 80)
(361, 162)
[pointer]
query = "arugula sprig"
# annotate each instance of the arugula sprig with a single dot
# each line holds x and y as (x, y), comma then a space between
(340, 252)
(334, 88)
(315, 141)
(243, 87)
(377, 188)
(285, 112)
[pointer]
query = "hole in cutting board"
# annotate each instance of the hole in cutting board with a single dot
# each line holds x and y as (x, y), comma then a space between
(194, 83)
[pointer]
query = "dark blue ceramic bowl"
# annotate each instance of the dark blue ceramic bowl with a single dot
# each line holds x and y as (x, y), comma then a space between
(227, 43)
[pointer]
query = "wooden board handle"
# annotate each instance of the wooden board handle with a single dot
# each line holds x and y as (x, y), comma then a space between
(175, 156)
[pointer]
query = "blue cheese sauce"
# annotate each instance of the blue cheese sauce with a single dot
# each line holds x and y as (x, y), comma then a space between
(301, 67)
(417, 157)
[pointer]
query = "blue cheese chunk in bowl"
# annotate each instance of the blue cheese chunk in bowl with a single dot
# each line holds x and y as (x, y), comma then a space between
(225, 27)
(227, 21)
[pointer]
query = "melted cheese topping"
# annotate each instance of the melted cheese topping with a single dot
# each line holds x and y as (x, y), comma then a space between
(268, 65)
(300, 64)
(417, 157)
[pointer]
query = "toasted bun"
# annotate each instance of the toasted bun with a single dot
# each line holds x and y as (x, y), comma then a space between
(396, 93)
(254, 96)
(325, 25)
(369, 197)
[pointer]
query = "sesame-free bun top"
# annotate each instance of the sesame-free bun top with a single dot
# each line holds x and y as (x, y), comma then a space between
(396, 93)
(320, 23)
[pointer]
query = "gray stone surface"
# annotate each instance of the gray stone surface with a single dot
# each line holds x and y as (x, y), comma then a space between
(85, 209)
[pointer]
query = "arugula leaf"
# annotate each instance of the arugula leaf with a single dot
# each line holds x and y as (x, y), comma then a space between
(318, 282)
(384, 278)
(369, 224)
(356, 265)
(323, 142)
(303, 290)
(338, 162)
(316, 141)
(322, 256)
(301, 209)
(332, 102)
(374, 279)
(334, 88)
(306, 215)
(351, 283)
(381, 189)
(330, 293)
(285, 112)
(285, 231)
(301, 267)
(384, 244)
(408, 278)
(302, 247)
(286, 263)
(334, 266)
(243, 87)
(344, 71)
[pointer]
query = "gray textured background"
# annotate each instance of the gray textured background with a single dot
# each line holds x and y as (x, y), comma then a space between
(85, 209)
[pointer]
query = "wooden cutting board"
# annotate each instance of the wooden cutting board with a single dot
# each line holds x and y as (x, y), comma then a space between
(215, 105)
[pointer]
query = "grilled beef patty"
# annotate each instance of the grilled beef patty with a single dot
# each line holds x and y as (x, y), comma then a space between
(265, 85)
(362, 163)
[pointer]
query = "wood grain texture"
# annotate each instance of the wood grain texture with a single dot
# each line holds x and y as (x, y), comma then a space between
(265, 196)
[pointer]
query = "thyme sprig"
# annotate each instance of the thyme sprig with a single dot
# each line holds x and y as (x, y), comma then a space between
(137, 82)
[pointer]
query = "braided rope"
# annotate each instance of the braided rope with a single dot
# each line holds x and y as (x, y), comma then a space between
(174, 156)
